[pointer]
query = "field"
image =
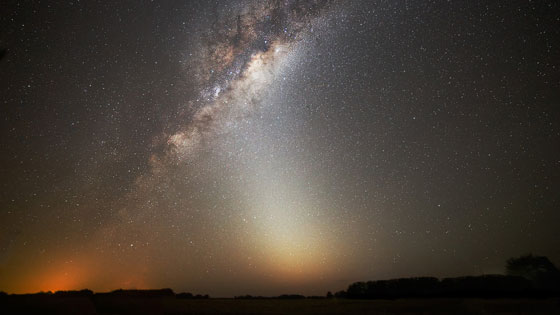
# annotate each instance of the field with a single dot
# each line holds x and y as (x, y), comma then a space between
(168, 305)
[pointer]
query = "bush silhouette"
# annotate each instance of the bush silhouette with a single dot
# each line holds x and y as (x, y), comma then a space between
(184, 295)
(538, 269)
(81, 293)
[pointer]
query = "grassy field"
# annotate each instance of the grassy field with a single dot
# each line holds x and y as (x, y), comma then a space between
(307, 306)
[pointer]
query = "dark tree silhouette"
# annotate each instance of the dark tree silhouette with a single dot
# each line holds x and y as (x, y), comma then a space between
(184, 295)
(539, 269)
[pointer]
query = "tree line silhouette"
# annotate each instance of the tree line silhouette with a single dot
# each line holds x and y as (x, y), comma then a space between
(526, 276)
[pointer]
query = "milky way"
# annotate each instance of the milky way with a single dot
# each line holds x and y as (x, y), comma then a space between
(239, 61)
(271, 147)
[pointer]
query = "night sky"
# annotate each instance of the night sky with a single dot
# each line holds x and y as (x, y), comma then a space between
(269, 147)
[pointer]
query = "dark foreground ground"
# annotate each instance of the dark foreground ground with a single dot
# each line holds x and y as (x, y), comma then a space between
(170, 305)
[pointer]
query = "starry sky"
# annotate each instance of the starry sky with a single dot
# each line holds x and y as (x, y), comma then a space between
(270, 147)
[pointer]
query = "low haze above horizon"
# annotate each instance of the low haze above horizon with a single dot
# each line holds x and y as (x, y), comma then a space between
(271, 147)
